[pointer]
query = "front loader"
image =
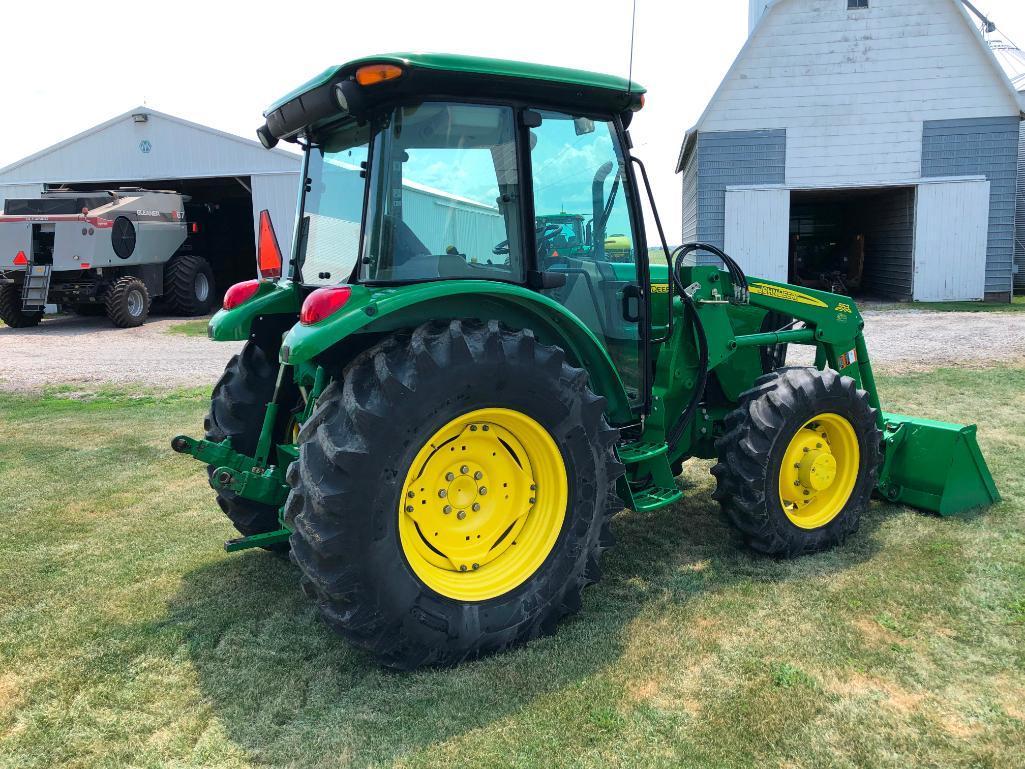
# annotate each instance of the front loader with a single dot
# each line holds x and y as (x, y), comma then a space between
(438, 410)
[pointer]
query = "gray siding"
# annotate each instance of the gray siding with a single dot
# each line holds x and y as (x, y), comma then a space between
(981, 146)
(733, 158)
(690, 198)
(890, 244)
(1019, 217)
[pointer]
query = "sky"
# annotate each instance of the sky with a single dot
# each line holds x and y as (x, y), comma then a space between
(67, 66)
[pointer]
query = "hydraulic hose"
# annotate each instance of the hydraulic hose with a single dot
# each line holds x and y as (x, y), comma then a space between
(685, 418)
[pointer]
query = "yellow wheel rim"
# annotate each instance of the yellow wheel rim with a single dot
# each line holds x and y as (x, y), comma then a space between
(483, 504)
(819, 471)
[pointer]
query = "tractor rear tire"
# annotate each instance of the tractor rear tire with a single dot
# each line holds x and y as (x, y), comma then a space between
(188, 285)
(10, 309)
(361, 465)
(798, 462)
(237, 407)
(127, 302)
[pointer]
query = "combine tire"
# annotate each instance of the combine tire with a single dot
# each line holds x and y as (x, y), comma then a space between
(10, 309)
(188, 285)
(127, 302)
(453, 494)
(237, 406)
(798, 462)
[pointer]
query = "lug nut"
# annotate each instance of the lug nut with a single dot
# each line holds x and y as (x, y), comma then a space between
(473, 428)
(410, 508)
(464, 469)
(442, 493)
(482, 490)
(461, 514)
(478, 475)
(484, 428)
(476, 506)
(476, 566)
(410, 494)
(446, 509)
(533, 487)
(463, 567)
(797, 483)
(450, 476)
(532, 500)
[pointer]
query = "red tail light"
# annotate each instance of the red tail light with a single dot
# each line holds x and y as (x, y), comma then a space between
(20, 258)
(239, 293)
(323, 303)
(268, 255)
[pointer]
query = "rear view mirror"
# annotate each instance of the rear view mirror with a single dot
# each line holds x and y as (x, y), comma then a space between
(583, 125)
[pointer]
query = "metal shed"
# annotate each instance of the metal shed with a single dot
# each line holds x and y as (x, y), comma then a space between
(235, 177)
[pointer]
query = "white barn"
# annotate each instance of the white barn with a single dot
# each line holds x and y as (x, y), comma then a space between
(868, 145)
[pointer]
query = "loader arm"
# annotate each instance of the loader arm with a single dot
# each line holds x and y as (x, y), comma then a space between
(936, 466)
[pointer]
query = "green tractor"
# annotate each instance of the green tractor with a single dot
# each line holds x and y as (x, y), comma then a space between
(438, 415)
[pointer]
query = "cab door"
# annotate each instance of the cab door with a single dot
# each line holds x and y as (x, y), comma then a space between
(585, 229)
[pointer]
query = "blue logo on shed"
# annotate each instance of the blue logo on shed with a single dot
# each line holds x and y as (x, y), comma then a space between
(145, 146)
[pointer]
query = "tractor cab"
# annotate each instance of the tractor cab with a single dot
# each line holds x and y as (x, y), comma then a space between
(410, 178)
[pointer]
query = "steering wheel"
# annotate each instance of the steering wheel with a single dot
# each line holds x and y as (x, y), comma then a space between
(542, 234)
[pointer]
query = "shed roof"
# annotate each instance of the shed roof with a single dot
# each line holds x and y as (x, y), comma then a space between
(164, 146)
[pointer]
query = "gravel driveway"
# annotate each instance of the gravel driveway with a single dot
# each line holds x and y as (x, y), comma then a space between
(89, 351)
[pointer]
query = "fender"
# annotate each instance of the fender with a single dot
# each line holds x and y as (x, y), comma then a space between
(383, 309)
(271, 298)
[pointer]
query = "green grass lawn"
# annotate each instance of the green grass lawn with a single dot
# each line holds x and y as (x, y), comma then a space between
(1017, 305)
(196, 327)
(129, 638)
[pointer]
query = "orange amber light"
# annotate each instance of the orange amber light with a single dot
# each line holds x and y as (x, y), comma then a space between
(371, 74)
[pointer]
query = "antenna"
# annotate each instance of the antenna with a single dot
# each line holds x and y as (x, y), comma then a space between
(633, 25)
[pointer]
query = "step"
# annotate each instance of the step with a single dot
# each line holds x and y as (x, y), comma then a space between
(654, 497)
(639, 451)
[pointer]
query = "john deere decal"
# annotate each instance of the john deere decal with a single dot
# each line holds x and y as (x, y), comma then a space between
(785, 294)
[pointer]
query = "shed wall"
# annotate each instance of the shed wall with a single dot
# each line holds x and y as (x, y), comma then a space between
(988, 147)
(278, 193)
(15, 191)
(890, 245)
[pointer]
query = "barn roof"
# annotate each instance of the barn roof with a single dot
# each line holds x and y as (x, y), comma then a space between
(998, 72)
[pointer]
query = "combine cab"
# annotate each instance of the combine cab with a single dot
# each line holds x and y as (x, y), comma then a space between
(110, 252)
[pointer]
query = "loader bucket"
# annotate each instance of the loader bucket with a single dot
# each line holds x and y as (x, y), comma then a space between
(934, 466)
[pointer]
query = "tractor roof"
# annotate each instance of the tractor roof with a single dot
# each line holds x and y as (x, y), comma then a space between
(444, 74)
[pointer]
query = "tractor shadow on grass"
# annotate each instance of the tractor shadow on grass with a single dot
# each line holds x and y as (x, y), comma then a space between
(288, 691)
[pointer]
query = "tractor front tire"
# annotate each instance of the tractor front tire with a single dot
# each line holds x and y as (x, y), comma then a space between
(798, 462)
(10, 309)
(409, 471)
(237, 407)
(127, 302)
(188, 285)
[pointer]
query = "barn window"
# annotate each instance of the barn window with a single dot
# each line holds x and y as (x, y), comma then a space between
(854, 4)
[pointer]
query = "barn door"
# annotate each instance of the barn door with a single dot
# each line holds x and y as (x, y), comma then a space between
(758, 231)
(951, 232)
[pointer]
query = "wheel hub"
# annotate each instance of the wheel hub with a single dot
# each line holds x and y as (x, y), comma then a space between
(483, 503)
(819, 470)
